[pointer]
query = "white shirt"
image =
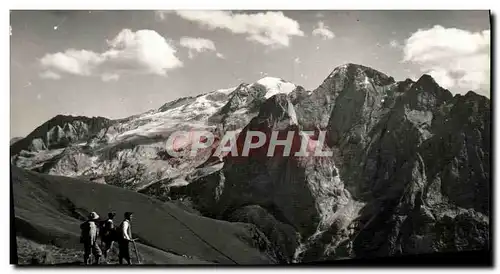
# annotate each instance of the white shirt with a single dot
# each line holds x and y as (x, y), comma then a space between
(127, 233)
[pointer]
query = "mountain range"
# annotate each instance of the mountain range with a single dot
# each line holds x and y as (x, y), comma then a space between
(410, 171)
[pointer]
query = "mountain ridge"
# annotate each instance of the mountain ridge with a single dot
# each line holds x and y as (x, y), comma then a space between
(180, 99)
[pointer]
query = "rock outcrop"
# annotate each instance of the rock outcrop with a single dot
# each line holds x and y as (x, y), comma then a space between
(59, 132)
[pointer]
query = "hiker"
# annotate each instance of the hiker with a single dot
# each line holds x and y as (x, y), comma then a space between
(125, 238)
(88, 237)
(106, 232)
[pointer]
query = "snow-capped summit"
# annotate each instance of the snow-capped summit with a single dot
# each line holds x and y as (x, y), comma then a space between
(276, 85)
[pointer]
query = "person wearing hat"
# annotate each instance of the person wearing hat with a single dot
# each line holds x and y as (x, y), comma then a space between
(107, 234)
(89, 239)
(125, 239)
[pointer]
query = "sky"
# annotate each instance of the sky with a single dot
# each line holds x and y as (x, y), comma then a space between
(121, 63)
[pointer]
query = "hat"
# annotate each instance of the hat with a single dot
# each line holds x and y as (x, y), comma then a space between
(93, 216)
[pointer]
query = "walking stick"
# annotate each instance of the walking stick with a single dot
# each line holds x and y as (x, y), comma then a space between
(136, 253)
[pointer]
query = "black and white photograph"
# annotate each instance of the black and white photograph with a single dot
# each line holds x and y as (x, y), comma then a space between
(206, 137)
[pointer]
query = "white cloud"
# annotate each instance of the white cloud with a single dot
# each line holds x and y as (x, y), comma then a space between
(319, 15)
(144, 51)
(109, 77)
(455, 58)
(441, 76)
(197, 45)
(323, 31)
(297, 60)
(140, 52)
(270, 28)
(50, 75)
(220, 55)
(78, 62)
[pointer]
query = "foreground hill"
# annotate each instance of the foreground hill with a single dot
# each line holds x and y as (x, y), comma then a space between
(33, 253)
(48, 210)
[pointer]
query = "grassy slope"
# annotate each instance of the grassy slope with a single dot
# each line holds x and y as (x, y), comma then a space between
(49, 210)
(49, 254)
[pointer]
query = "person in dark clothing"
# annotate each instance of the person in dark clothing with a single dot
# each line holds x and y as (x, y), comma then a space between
(89, 233)
(107, 234)
(125, 238)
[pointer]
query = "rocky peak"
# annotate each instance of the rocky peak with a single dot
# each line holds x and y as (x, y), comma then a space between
(405, 86)
(426, 80)
(427, 84)
(356, 71)
(349, 92)
(471, 96)
(426, 94)
(59, 128)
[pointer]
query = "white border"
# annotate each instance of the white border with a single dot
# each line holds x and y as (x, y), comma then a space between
(253, 4)
(208, 4)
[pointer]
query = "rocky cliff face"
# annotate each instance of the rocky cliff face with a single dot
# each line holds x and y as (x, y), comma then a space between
(59, 132)
(397, 150)
(409, 171)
